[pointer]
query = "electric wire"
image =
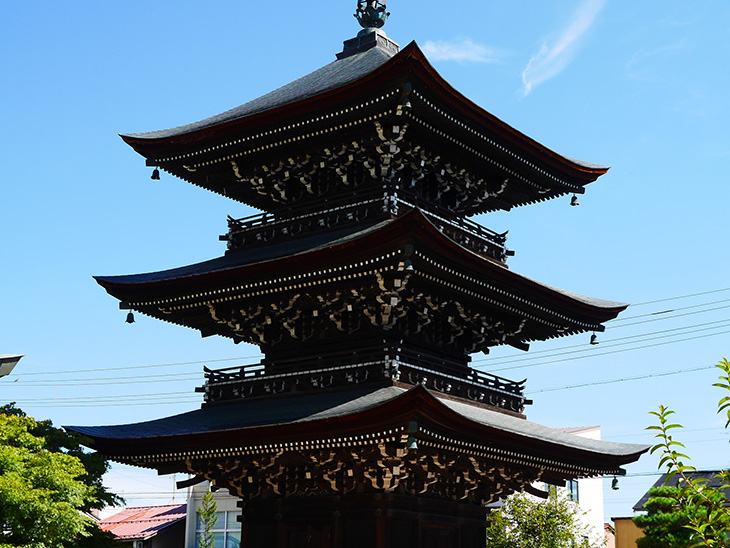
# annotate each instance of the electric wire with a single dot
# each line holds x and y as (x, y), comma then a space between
(122, 396)
(623, 379)
(181, 397)
(126, 367)
(662, 318)
(677, 297)
(684, 430)
(99, 382)
(521, 356)
(582, 348)
(623, 319)
(621, 350)
(516, 358)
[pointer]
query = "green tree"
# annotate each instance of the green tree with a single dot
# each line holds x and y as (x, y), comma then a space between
(39, 466)
(208, 518)
(708, 519)
(527, 522)
(71, 443)
(665, 524)
(40, 490)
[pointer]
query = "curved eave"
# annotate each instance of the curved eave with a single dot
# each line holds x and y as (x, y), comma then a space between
(457, 424)
(474, 113)
(434, 252)
(148, 145)
(481, 268)
(409, 62)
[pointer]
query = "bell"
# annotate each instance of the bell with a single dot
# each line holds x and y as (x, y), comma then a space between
(412, 443)
(408, 265)
(156, 175)
(614, 483)
(130, 317)
(573, 200)
(594, 339)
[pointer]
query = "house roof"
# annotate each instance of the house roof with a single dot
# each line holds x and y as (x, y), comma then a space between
(143, 522)
(708, 475)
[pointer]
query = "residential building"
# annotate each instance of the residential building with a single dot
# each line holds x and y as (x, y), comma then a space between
(148, 526)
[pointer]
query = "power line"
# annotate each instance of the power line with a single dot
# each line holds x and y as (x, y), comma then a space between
(258, 356)
(548, 361)
(127, 367)
(109, 380)
(661, 318)
(683, 430)
(101, 398)
(80, 405)
(518, 358)
(172, 397)
(682, 297)
(623, 379)
(99, 382)
(667, 311)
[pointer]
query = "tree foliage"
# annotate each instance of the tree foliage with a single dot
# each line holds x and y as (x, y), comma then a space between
(527, 522)
(208, 519)
(702, 505)
(47, 481)
(40, 490)
(668, 515)
(71, 443)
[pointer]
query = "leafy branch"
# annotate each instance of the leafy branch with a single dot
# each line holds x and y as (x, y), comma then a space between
(709, 519)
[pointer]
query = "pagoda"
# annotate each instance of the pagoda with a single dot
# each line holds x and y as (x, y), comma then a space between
(367, 288)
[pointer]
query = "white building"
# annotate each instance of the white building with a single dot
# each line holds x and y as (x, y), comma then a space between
(588, 492)
(227, 530)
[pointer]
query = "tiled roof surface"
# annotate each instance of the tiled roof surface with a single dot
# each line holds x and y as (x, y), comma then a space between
(708, 475)
(331, 76)
(277, 250)
(143, 522)
(324, 406)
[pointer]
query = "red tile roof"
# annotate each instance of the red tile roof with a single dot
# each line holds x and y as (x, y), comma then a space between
(143, 522)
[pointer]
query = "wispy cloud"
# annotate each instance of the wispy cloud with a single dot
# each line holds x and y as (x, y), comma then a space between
(553, 58)
(646, 64)
(463, 50)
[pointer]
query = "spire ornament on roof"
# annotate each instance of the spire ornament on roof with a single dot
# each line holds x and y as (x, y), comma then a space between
(371, 13)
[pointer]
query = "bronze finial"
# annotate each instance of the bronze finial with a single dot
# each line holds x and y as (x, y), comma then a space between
(371, 13)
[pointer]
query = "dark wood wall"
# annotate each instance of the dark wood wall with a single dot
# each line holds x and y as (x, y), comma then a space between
(362, 521)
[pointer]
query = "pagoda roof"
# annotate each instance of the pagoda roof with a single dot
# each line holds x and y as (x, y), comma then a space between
(232, 261)
(339, 101)
(332, 76)
(436, 256)
(298, 419)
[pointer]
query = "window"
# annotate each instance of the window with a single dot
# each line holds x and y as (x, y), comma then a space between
(572, 487)
(226, 531)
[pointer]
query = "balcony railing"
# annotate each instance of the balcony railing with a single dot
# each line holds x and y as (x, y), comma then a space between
(362, 368)
(266, 227)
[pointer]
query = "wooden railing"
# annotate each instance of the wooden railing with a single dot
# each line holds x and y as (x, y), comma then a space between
(266, 227)
(383, 366)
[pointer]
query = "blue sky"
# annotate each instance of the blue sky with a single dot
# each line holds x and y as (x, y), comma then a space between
(639, 86)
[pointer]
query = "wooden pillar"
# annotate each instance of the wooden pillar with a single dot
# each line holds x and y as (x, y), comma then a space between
(362, 521)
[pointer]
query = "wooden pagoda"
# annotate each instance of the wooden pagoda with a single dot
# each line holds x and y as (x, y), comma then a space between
(367, 289)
